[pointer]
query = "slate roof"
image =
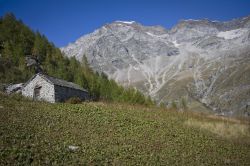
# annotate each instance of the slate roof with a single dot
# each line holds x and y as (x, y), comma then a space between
(59, 82)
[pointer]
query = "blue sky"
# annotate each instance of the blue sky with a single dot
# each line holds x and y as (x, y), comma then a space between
(63, 21)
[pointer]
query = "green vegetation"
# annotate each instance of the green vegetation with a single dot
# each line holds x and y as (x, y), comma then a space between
(73, 100)
(37, 133)
(184, 104)
(173, 105)
(17, 41)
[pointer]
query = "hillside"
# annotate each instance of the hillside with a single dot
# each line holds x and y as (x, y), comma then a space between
(199, 60)
(18, 41)
(39, 133)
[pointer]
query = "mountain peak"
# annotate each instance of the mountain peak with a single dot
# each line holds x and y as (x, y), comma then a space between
(195, 58)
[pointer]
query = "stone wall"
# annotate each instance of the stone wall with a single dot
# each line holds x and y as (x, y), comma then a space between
(64, 93)
(47, 92)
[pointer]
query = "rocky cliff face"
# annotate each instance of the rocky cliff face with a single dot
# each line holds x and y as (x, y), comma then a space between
(199, 60)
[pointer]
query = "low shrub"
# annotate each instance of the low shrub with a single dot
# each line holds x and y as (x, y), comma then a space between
(174, 105)
(74, 100)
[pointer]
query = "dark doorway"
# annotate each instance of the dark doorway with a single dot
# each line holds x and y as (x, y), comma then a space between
(37, 91)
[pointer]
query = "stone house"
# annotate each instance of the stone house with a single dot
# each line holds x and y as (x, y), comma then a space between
(51, 89)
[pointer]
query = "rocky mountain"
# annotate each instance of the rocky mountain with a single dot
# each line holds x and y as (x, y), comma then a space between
(197, 60)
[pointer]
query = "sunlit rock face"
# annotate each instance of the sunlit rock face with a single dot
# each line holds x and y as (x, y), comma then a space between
(199, 60)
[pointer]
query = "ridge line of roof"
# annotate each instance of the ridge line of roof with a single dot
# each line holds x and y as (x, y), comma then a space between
(57, 81)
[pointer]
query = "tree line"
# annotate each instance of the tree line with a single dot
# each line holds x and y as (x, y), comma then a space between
(17, 41)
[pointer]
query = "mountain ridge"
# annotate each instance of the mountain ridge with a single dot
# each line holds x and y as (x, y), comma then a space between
(186, 61)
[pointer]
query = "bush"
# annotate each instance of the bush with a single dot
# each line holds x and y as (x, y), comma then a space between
(2, 87)
(174, 105)
(74, 100)
(18, 97)
(184, 104)
(162, 105)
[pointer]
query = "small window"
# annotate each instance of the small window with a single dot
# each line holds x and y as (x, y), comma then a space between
(37, 91)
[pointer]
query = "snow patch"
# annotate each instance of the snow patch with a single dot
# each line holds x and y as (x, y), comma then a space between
(176, 44)
(192, 20)
(126, 22)
(150, 34)
(232, 33)
(244, 18)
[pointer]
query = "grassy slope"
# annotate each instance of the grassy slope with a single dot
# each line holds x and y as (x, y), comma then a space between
(40, 133)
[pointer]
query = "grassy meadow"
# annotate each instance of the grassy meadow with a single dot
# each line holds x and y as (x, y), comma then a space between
(38, 133)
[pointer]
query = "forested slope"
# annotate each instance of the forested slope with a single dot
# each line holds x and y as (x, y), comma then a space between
(18, 41)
